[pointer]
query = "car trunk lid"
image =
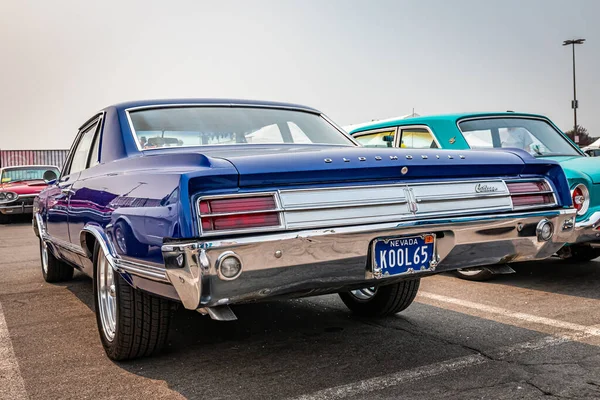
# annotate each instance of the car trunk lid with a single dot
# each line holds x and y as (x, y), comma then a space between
(304, 165)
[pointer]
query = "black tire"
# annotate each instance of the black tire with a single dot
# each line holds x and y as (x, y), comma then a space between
(387, 300)
(474, 275)
(583, 253)
(131, 246)
(4, 219)
(142, 320)
(55, 269)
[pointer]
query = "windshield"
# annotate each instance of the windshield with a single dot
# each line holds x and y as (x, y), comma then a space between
(25, 174)
(535, 136)
(206, 126)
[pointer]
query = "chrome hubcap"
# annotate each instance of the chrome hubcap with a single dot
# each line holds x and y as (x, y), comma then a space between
(45, 257)
(107, 297)
(364, 294)
(121, 240)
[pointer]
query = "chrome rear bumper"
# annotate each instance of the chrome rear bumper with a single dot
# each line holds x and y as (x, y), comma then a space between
(311, 262)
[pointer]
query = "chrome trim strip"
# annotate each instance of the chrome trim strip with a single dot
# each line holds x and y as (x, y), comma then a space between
(142, 270)
(324, 206)
(119, 264)
(532, 193)
(115, 261)
(68, 246)
(412, 184)
(228, 214)
(291, 217)
(340, 129)
(460, 196)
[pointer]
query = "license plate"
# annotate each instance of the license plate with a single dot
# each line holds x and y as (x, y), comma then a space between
(403, 255)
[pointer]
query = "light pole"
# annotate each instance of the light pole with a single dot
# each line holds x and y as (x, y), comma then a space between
(574, 104)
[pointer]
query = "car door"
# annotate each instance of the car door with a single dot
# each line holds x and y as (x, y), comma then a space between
(57, 218)
(85, 201)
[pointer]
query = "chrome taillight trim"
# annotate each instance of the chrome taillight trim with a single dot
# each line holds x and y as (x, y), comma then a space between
(392, 200)
(541, 192)
(278, 209)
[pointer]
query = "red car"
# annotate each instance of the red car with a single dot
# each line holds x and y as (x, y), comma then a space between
(19, 185)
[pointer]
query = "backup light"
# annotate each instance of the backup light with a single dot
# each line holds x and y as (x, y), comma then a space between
(229, 266)
(544, 230)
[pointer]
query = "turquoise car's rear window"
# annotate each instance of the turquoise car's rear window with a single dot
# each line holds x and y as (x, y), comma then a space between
(536, 136)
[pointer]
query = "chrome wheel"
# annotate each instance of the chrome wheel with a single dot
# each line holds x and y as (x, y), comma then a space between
(364, 294)
(107, 297)
(121, 241)
(44, 256)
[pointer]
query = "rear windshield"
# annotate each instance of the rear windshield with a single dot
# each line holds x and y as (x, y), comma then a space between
(536, 136)
(207, 126)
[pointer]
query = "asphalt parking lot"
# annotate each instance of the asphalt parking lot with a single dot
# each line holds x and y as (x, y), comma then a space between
(534, 334)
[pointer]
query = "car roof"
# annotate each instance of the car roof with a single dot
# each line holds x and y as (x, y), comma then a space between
(453, 117)
(210, 101)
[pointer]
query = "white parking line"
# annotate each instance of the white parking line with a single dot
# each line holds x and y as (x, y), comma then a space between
(592, 331)
(455, 364)
(11, 381)
(570, 332)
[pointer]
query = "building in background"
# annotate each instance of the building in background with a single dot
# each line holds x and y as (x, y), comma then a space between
(9, 158)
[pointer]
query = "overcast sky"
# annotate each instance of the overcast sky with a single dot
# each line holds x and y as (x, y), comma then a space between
(61, 61)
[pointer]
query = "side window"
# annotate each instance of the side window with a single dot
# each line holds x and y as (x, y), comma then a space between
(377, 139)
(417, 138)
(82, 150)
(95, 152)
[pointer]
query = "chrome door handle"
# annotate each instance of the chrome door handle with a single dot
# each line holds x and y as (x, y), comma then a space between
(67, 191)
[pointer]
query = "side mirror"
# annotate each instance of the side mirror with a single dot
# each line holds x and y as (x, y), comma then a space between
(49, 177)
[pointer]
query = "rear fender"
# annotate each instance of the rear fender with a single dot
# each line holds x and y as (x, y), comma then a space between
(106, 245)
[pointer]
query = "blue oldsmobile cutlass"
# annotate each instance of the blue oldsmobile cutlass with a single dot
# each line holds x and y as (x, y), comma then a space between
(535, 134)
(210, 203)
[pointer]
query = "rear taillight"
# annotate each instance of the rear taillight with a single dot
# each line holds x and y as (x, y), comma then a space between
(530, 194)
(238, 213)
(581, 199)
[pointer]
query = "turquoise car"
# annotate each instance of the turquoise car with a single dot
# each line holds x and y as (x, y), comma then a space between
(536, 134)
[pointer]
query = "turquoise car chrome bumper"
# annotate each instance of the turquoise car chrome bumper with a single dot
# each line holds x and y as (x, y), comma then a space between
(588, 230)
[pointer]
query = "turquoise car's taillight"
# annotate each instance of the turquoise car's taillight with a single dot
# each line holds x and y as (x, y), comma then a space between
(581, 198)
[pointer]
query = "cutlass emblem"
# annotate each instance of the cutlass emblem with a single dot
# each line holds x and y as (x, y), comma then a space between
(483, 188)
